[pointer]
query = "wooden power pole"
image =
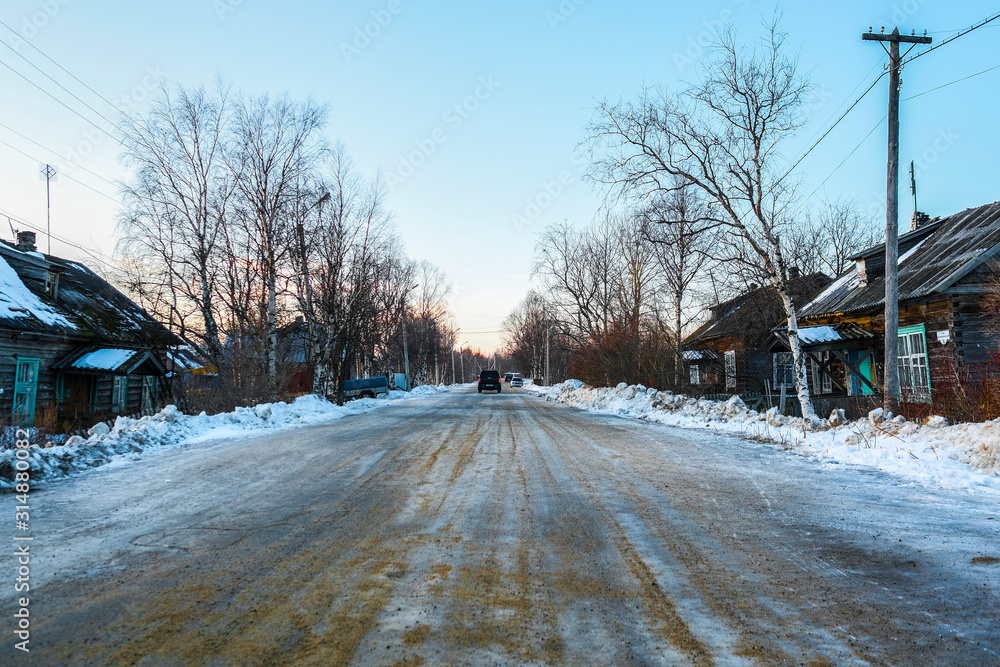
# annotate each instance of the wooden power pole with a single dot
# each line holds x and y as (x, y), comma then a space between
(890, 387)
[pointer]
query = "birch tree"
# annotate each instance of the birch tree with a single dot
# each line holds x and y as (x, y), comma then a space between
(274, 147)
(176, 207)
(682, 233)
(721, 136)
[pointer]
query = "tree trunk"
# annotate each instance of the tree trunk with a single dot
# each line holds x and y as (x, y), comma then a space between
(798, 360)
(678, 344)
(272, 328)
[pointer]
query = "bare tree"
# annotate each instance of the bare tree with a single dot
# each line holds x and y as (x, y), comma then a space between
(176, 207)
(827, 242)
(273, 148)
(722, 137)
(353, 252)
(577, 269)
(526, 332)
(428, 330)
(682, 232)
(990, 303)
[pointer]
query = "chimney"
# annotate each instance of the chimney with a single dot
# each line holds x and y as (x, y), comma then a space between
(26, 241)
(918, 220)
(862, 273)
(793, 272)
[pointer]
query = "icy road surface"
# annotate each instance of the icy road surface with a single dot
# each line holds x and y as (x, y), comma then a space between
(503, 529)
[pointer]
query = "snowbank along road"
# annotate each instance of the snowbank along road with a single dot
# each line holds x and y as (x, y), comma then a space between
(504, 529)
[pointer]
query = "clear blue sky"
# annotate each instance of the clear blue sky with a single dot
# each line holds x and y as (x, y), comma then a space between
(526, 76)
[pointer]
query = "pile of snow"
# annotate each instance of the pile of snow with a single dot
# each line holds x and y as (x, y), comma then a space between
(934, 454)
(170, 427)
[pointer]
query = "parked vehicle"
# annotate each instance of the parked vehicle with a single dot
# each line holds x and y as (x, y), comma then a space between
(490, 380)
(366, 387)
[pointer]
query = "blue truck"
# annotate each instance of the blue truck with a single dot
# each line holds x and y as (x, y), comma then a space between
(366, 387)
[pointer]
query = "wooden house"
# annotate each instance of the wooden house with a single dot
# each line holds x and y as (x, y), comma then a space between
(728, 353)
(73, 349)
(944, 267)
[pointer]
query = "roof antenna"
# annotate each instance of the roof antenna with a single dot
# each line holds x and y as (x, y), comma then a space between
(913, 187)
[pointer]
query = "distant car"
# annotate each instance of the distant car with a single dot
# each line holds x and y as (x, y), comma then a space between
(517, 380)
(489, 380)
(507, 377)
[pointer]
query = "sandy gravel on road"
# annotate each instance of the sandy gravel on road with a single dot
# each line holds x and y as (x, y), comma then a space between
(502, 529)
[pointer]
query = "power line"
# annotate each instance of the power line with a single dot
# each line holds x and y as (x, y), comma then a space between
(21, 221)
(853, 90)
(58, 100)
(56, 153)
(952, 38)
(32, 157)
(842, 116)
(945, 85)
(64, 88)
(853, 151)
(73, 76)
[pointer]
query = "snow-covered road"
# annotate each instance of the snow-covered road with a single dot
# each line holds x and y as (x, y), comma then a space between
(503, 529)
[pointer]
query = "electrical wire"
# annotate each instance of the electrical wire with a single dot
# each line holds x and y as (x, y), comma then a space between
(961, 33)
(853, 151)
(848, 96)
(45, 148)
(63, 174)
(73, 76)
(945, 85)
(842, 116)
(90, 252)
(58, 101)
(64, 88)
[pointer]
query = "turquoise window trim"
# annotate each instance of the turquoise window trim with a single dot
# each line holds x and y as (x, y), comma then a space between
(907, 332)
(25, 391)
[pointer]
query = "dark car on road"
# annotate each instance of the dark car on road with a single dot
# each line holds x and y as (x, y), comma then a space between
(489, 380)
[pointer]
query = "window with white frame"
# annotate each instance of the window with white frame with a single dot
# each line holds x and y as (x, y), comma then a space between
(695, 374)
(119, 393)
(914, 378)
(731, 369)
(784, 370)
(822, 383)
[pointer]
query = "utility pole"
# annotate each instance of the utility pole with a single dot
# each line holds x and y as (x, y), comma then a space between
(49, 173)
(890, 388)
(548, 329)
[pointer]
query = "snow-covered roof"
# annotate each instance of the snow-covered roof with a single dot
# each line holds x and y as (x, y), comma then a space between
(16, 300)
(813, 335)
(107, 359)
(933, 259)
(78, 305)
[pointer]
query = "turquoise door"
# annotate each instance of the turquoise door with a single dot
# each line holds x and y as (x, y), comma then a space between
(25, 390)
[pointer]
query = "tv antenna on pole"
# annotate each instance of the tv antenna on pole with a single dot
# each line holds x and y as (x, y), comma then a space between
(49, 173)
